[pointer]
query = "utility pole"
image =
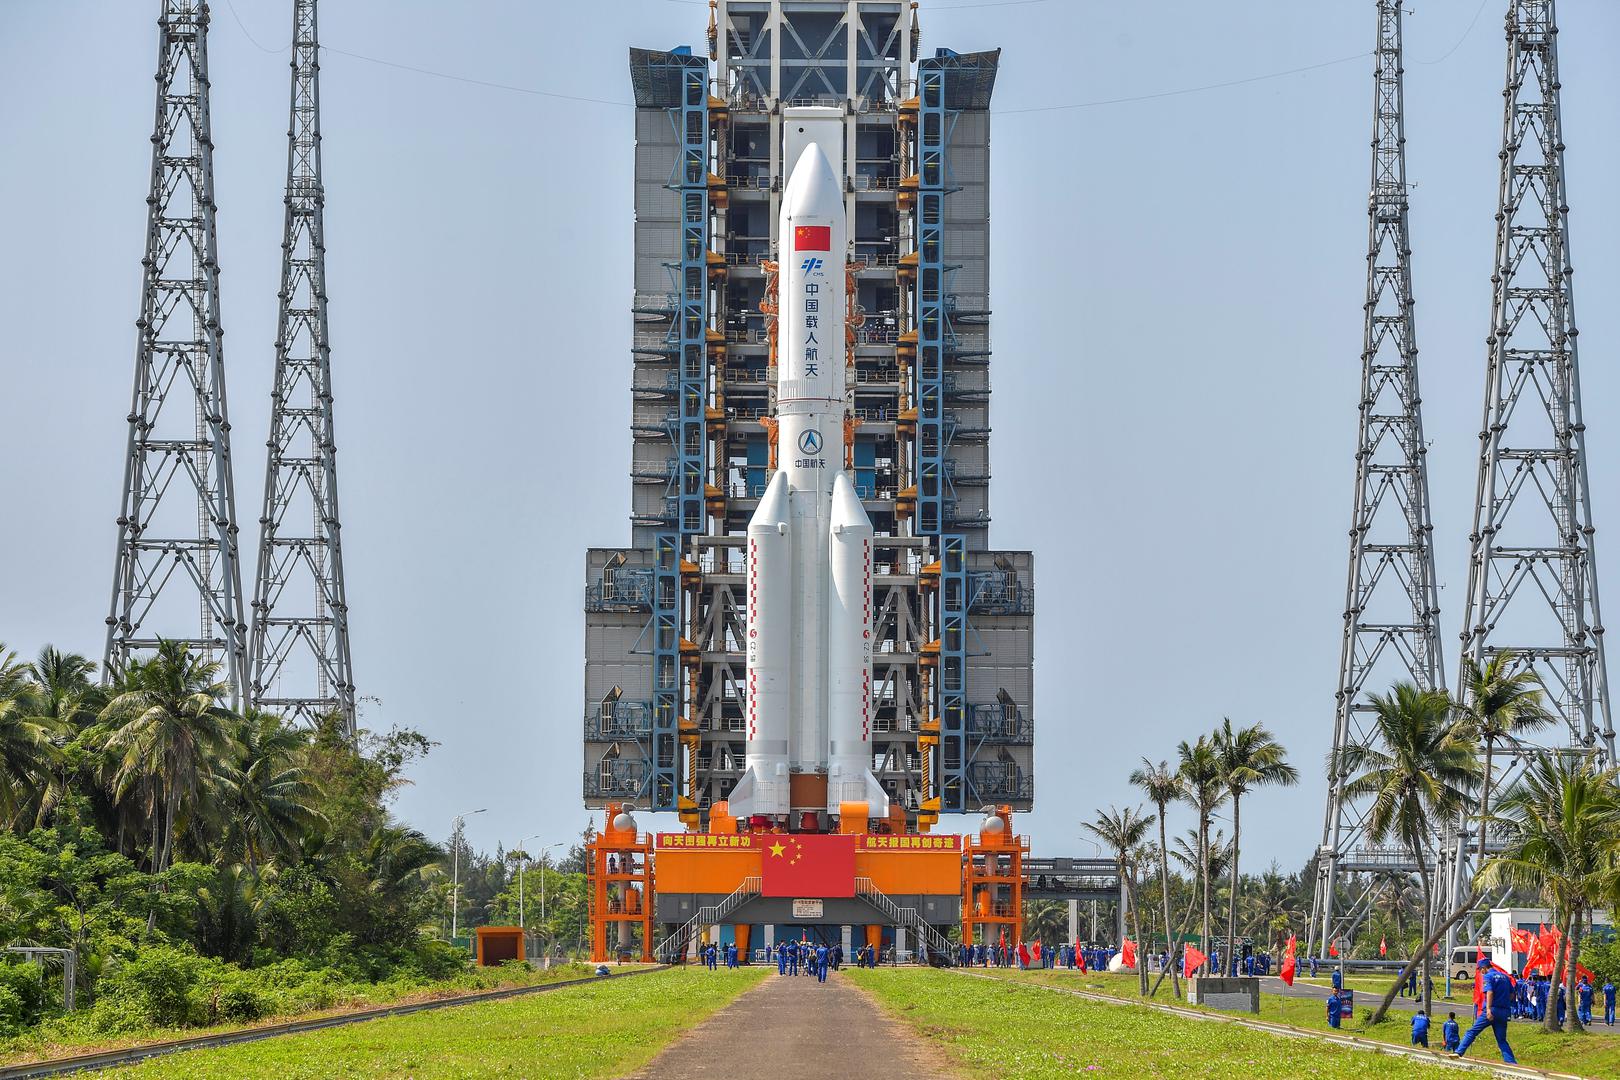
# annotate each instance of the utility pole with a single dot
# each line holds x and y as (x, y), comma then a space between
(300, 643)
(1392, 607)
(458, 827)
(1532, 575)
(176, 573)
(1390, 601)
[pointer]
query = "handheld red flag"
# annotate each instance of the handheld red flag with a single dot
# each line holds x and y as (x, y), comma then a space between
(1333, 948)
(1035, 951)
(1127, 953)
(1080, 957)
(1522, 941)
(1289, 964)
(1023, 954)
(1383, 947)
(1191, 961)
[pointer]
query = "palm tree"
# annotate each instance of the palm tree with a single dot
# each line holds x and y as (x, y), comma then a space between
(27, 749)
(1562, 821)
(169, 732)
(272, 796)
(1417, 768)
(1162, 786)
(1047, 920)
(1123, 832)
(1250, 758)
(1200, 772)
(1499, 704)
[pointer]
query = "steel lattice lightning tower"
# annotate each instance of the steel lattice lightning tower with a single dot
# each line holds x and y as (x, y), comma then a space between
(1532, 577)
(1391, 617)
(177, 547)
(300, 643)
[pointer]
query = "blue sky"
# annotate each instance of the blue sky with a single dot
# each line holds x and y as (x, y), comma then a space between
(1177, 285)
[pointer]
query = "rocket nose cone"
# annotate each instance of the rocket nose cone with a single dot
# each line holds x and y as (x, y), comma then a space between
(812, 188)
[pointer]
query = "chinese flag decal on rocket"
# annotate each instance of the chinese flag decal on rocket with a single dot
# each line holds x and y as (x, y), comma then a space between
(812, 237)
(804, 865)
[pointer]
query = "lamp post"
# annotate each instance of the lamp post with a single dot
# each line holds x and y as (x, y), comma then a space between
(458, 823)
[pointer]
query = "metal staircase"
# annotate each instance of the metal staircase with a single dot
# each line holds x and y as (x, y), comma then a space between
(672, 947)
(905, 917)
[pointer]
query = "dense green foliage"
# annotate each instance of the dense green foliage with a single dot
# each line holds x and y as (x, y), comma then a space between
(204, 865)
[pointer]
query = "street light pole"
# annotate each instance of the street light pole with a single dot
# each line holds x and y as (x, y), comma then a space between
(459, 822)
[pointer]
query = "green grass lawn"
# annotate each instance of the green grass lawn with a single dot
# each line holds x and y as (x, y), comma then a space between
(68, 1035)
(600, 1030)
(1595, 1053)
(1012, 1031)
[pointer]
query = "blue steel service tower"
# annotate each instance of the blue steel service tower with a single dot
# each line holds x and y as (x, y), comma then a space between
(953, 724)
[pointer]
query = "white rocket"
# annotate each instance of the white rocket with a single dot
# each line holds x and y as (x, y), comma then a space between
(809, 692)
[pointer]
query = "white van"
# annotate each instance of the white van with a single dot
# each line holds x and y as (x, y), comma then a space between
(1465, 961)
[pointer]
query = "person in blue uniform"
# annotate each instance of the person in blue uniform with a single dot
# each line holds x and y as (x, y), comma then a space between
(781, 958)
(1338, 979)
(1498, 991)
(821, 963)
(1563, 1005)
(1583, 996)
(1420, 1029)
(792, 957)
(1451, 1033)
(1543, 989)
(709, 957)
(1335, 1005)
(1313, 967)
(1608, 1002)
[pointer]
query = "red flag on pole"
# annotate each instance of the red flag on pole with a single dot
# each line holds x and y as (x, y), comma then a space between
(1333, 948)
(1127, 953)
(1191, 961)
(1023, 954)
(1383, 947)
(1289, 965)
(1035, 951)
(1522, 941)
(1080, 957)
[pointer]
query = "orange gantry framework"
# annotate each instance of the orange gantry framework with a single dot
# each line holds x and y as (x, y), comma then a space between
(993, 883)
(620, 885)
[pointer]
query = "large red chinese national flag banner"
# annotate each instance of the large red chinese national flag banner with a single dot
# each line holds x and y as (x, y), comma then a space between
(807, 865)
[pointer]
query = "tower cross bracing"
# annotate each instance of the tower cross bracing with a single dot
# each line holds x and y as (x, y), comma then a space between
(1391, 614)
(177, 575)
(300, 661)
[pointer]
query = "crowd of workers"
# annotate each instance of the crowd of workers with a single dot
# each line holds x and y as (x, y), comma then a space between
(793, 957)
(1501, 997)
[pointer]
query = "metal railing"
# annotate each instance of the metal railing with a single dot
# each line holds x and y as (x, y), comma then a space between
(904, 916)
(670, 949)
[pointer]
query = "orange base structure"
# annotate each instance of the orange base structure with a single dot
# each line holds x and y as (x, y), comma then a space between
(619, 883)
(993, 883)
(982, 875)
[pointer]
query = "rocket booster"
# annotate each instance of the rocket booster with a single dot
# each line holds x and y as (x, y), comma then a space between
(808, 700)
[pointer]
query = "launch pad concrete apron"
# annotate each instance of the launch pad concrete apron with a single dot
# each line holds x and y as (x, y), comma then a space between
(795, 1026)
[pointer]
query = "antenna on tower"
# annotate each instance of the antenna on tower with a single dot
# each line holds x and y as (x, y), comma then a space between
(1391, 609)
(1532, 575)
(300, 643)
(177, 549)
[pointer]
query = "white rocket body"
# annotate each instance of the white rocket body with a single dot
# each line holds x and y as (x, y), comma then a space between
(809, 692)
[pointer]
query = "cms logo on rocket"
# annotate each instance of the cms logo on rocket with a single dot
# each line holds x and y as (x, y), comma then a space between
(810, 264)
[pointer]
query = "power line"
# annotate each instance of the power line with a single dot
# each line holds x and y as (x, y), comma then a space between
(231, 4)
(474, 82)
(1465, 34)
(1185, 90)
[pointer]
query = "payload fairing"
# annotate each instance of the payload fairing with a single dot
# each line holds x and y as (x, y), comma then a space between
(809, 559)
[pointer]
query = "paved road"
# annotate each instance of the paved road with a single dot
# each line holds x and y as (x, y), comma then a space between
(1365, 999)
(798, 1027)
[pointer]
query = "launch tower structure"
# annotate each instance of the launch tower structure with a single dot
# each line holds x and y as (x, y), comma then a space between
(177, 575)
(1392, 608)
(300, 642)
(1532, 576)
(666, 625)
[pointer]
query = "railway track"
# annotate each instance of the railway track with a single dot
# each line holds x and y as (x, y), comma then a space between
(109, 1059)
(1372, 1046)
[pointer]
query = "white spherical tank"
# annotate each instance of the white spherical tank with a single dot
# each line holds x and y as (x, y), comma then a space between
(623, 822)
